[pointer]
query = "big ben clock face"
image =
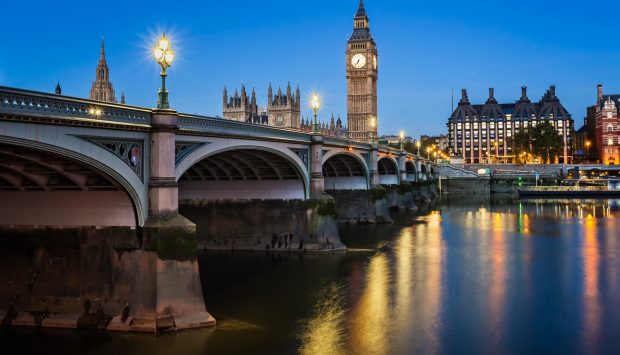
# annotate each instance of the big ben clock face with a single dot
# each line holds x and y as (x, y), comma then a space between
(358, 61)
(374, 61)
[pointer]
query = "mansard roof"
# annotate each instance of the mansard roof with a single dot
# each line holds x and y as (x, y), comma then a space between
(614, 98)
(522, 108)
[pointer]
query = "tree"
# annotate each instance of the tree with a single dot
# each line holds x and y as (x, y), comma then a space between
(546, 141)
(542, 140)
(522, 144)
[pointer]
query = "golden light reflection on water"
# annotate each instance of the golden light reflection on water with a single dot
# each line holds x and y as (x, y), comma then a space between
(497, 285)
(590, 256)
(370, 317)
(324, 332)
(397, 297)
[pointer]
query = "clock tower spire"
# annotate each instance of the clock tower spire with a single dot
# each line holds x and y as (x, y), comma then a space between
(361, 71)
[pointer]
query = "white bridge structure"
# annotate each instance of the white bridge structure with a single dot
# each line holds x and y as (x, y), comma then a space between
(69, 162)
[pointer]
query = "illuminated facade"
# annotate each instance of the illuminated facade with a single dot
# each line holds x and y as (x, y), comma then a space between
(283, 109)
(608, 130)
(483, 133)
(101, 89)
(361, 69)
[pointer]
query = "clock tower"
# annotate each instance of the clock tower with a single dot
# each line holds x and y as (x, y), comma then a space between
(362, 66)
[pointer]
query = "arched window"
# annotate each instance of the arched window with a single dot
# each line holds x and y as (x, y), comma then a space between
(610, 141)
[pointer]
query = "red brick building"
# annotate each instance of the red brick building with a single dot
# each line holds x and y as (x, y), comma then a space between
(607, 124)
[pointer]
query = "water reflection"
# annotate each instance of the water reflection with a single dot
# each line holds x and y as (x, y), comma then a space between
(324, 332)
(536, 276)
(370, 315)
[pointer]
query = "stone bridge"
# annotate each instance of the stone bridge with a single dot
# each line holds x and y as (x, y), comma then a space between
(90, 230)
(68, 162)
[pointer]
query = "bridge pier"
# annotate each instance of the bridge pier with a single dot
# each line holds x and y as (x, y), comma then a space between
(317, 181)
(374, 165)
(164, 218)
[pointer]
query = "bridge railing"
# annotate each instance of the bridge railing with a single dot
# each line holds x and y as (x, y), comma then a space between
(223, 127)
(33, 103)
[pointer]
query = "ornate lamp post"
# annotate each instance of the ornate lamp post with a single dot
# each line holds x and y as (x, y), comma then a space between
(417, 145)
(402, 140)
(164, 55)
(316, 104)
(373, 126)
(428, 152)
(588, 144)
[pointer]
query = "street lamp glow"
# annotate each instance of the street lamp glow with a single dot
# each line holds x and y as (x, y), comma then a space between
(164, 55)
(402, 139)
(373, 126)
(316, 104)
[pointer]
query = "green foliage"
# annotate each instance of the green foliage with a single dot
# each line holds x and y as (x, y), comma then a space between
(543, 141)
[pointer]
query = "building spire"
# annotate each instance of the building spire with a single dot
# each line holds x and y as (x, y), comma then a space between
(361, 11)
(101, 89)
(58, 89)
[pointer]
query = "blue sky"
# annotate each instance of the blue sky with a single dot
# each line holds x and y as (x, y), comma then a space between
(426, 48)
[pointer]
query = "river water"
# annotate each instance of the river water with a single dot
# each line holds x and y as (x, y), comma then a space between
(509, 278)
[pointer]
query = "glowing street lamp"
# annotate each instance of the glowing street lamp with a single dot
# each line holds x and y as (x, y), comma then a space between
(417, 145)
(588, 144)
(402, 139)
(428, 152)
(164, 55)
(373, 126)
(316, 104)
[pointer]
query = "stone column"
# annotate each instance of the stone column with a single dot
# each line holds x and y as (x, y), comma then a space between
(374, 165)
(317, 181)
(418, 168)
(163, 188)
(164, 218)
(402, 164)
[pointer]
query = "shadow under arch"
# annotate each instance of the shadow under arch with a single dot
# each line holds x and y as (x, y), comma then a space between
(242, 172)
(411, 171)
(79, 173)
(345, 171)
(388, 171)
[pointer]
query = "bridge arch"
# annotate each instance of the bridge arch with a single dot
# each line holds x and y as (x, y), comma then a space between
(411, 171)
(388, 171)
(245, 171)
(50, 185)
(345, 171)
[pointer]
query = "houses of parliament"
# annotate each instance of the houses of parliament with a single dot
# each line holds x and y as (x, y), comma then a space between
(284, 109)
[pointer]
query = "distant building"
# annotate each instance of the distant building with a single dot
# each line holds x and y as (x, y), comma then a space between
(395, 139)
(282, 110)
(101, 89)
(607, 128)
(603, 128)
(440, 142)
(334, 128)
(474, 129)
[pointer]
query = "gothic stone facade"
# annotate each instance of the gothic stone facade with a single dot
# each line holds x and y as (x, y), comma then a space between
(361, 71)
(101, 89)
(474, 129)
(283, 110)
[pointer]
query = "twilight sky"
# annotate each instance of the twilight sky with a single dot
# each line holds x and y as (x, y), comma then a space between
(426, 48)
